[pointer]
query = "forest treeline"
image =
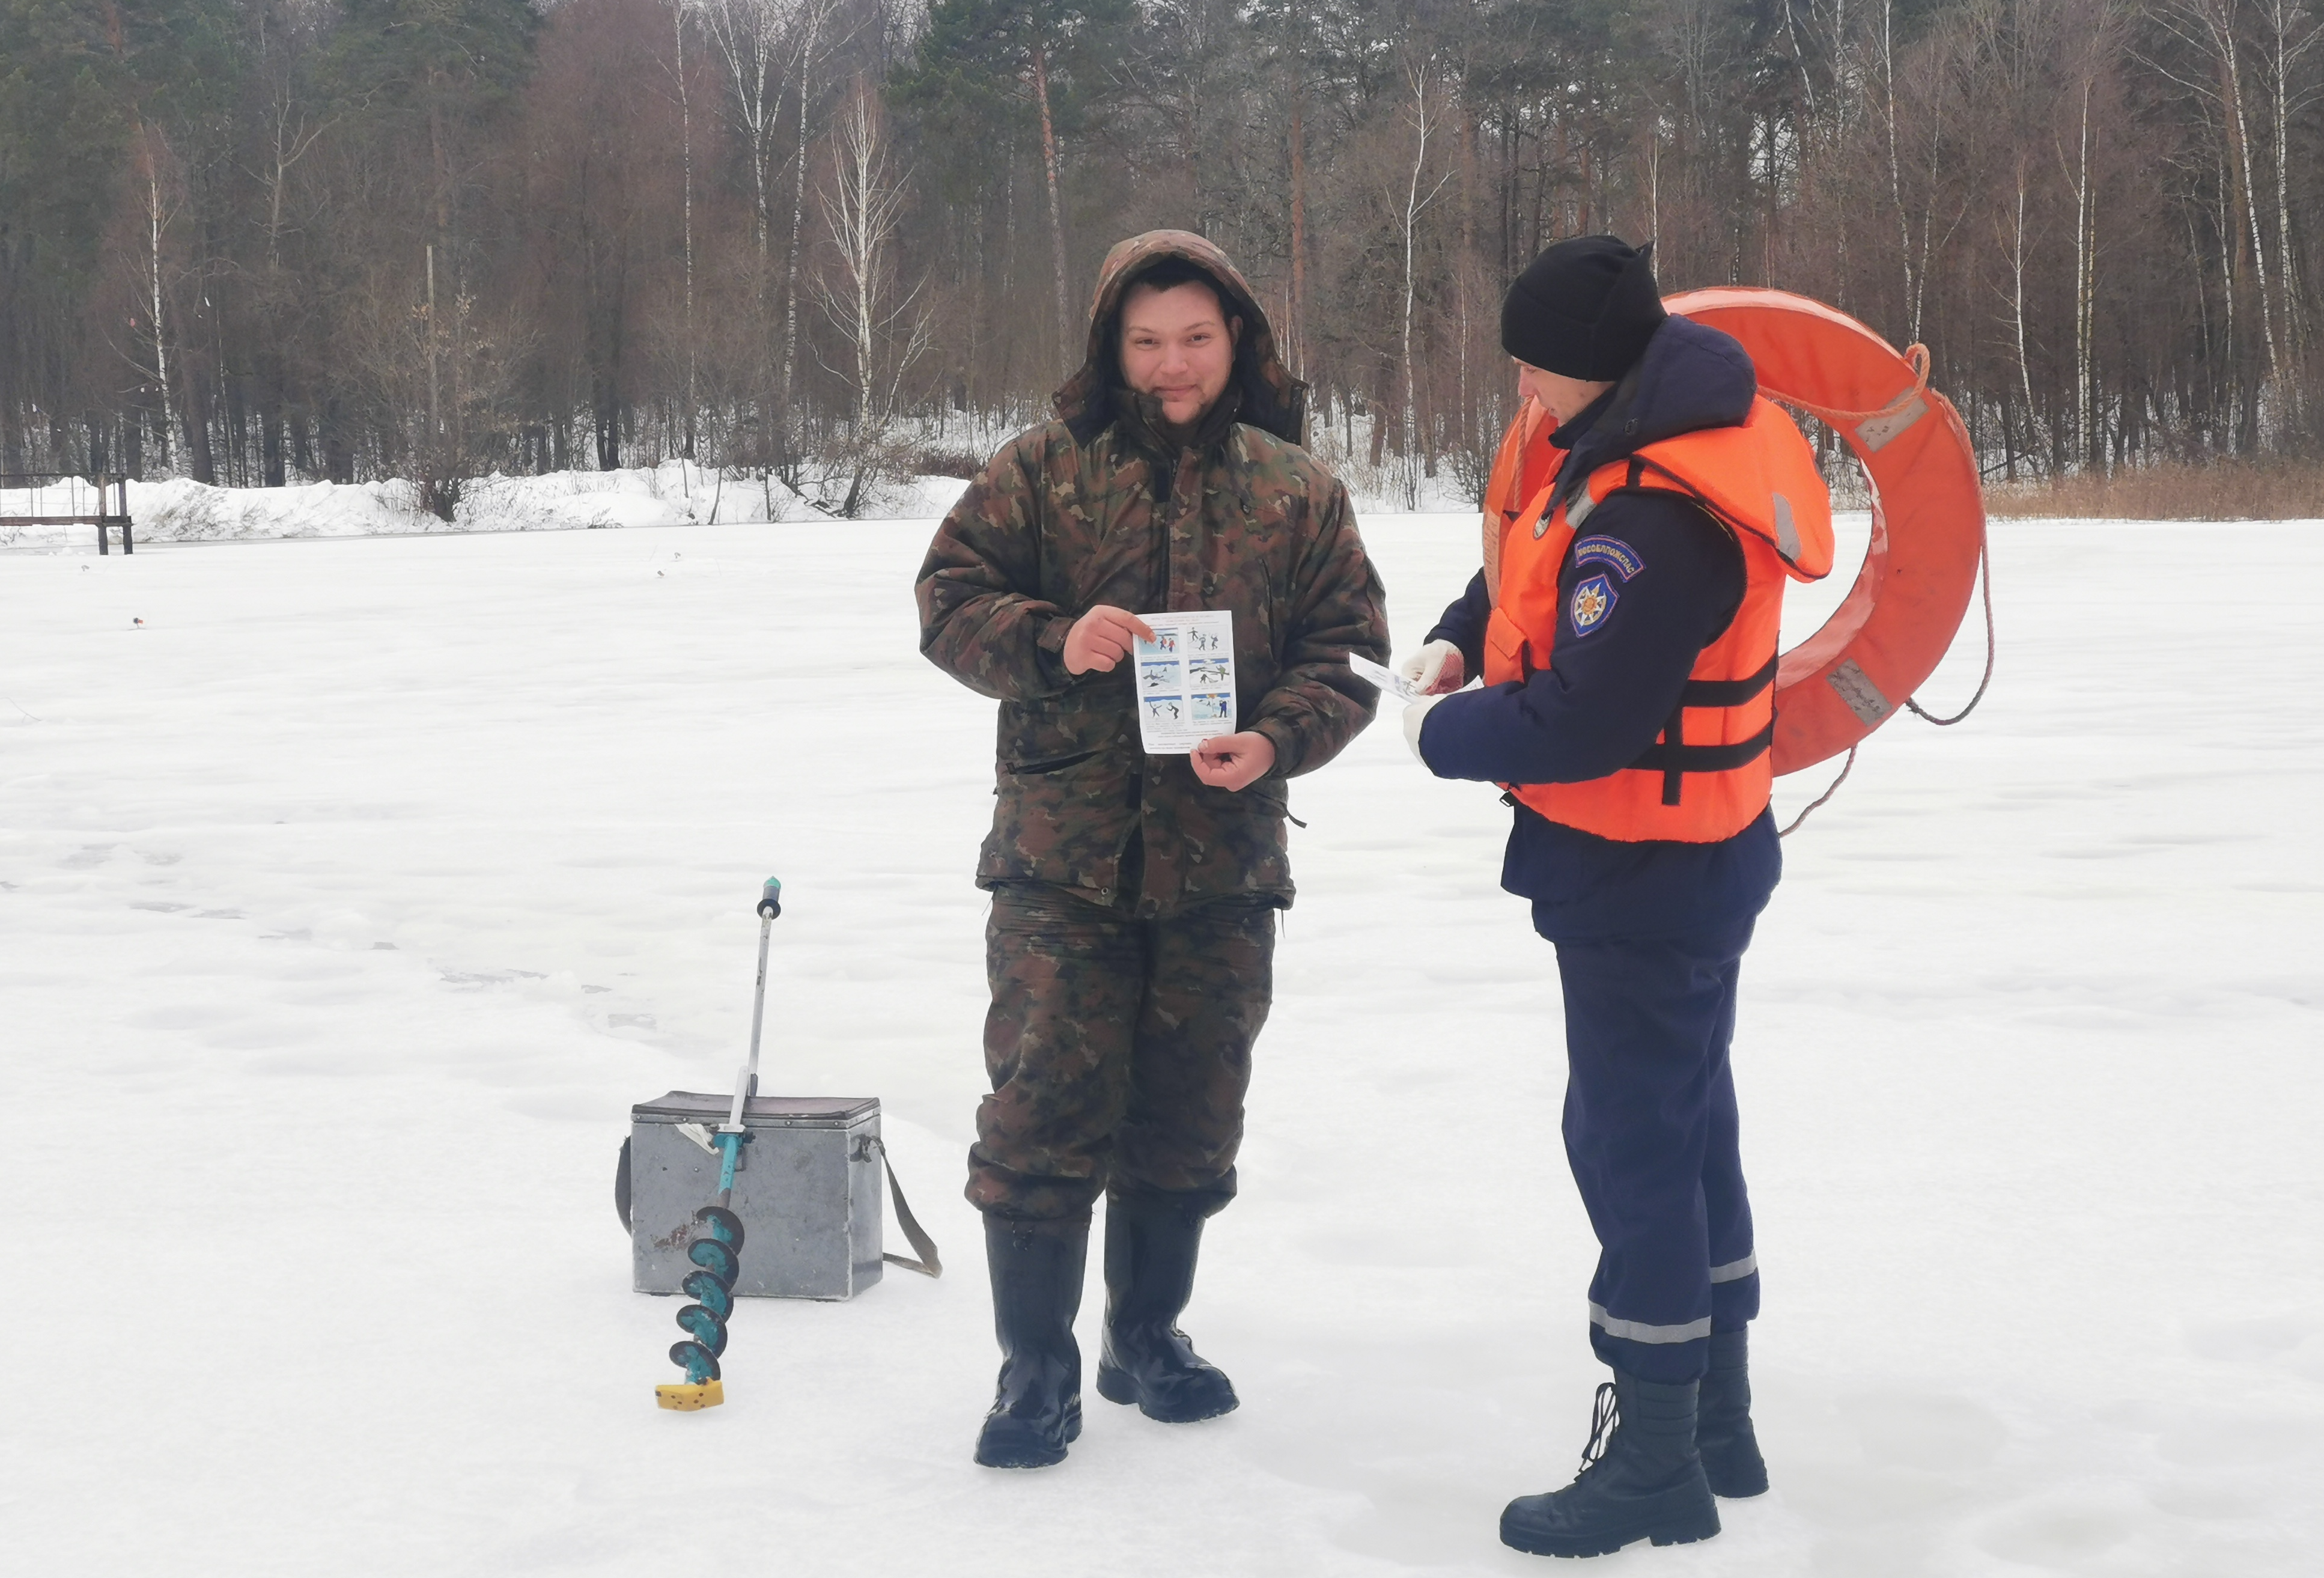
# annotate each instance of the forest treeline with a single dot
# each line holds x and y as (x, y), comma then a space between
(256, 241)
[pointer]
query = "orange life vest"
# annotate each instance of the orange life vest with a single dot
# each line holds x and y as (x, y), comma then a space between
(1708, 775)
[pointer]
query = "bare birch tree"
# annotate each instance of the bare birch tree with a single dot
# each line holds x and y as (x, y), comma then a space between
(1040, 72)
(679, 12)
(749, 37)
(809, 19)
(2211, 28)
(161, 208)
(1422, 115)
(862, 205)
(2292, 32)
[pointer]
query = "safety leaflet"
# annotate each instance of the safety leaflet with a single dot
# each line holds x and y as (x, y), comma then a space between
(1385, 678)
(1186, 681)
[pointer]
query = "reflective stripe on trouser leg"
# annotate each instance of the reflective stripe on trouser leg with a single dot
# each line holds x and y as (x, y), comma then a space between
(1651, 1134)
(1639, 1331)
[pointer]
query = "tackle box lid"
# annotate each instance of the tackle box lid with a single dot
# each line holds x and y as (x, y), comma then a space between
(776, 1111)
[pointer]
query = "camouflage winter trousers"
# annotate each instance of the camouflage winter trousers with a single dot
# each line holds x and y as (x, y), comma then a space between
(1118, 1049)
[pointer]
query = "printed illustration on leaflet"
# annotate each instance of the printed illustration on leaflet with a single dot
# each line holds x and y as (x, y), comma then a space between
(1186, 678)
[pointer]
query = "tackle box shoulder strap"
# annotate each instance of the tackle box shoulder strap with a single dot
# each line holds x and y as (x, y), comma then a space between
(928, 1264)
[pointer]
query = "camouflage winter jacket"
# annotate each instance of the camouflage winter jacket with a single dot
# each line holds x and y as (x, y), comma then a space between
(1069, 516)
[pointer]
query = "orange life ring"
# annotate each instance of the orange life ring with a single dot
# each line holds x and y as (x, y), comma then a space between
(1928, 512)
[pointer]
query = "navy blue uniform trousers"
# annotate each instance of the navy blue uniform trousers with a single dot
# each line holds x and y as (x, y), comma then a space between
(1650, 1131)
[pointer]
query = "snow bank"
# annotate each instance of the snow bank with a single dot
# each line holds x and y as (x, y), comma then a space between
(674, 493)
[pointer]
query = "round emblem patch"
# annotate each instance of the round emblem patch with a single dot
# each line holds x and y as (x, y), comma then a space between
(1593, 600)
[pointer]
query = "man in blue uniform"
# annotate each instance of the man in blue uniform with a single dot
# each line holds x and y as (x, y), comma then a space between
(1642, 622)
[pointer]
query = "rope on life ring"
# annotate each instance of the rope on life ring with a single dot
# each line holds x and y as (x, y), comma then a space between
(1927, 556)
(1916, 356)
(1830, 790)
(1985, 581)
(1984, 584)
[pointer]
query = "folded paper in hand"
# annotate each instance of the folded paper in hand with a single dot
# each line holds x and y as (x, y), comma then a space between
(1390, 681)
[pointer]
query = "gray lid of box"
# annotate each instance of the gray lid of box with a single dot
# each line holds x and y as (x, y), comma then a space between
(785, 1111)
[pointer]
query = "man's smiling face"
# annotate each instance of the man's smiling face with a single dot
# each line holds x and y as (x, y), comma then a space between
(1178, 346)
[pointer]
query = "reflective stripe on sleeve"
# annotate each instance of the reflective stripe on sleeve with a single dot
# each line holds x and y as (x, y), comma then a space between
(1735, 1271)
(1639, 1331)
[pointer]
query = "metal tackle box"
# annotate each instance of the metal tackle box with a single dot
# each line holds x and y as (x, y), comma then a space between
(808, 1191)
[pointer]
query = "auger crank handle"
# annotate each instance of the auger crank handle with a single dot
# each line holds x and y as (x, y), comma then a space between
(771, 898)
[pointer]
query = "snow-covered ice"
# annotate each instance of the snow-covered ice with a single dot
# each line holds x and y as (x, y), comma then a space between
(348, 901)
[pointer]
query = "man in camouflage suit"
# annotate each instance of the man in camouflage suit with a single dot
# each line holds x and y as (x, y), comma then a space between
(1131, 938)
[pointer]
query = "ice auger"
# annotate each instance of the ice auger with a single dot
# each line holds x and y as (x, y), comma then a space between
(716, 1250)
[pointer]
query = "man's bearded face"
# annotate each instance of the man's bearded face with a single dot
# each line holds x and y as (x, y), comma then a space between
(1177, 345)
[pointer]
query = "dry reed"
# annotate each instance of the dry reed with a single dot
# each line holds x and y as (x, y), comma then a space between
(2218, 490)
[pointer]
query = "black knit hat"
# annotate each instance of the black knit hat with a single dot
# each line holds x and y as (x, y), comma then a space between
(1585, 307)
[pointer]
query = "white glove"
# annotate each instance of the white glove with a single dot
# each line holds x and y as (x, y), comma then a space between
(1427, 666)
(1415, 714)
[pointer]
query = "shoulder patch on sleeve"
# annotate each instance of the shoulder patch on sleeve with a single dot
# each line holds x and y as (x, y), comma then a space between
(1593, 600)
(1611, 552)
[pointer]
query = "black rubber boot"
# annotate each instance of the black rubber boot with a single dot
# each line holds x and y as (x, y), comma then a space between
(1150, 1244)
(1036, 1291)
(1640, 1480)
(1722, 1425)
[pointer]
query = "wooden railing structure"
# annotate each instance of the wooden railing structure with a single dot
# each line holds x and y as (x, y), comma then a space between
(102, 502)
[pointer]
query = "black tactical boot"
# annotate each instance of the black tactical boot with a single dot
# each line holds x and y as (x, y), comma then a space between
(1722, 1425)
(1150, 1241)
(1640, 1480)
(1037, 1290)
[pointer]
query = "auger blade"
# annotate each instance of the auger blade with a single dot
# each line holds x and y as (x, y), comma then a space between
(700, 1362)
(709, 1292)
(706, 1328)
(723, 1225)
(719, 1260)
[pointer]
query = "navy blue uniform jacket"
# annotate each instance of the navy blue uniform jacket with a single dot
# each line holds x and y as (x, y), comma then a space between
(1611, 687)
